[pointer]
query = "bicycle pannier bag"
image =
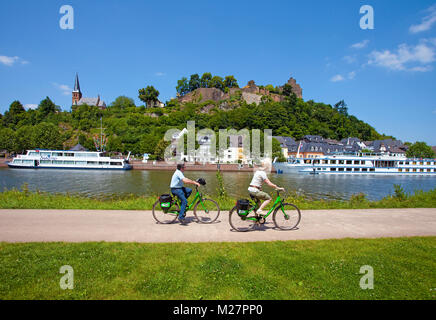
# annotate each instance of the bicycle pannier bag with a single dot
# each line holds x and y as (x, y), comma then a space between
(165, 201)
(242, 206)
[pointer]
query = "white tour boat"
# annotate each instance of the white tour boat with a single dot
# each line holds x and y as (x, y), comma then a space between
(368, 164)
(62, 159)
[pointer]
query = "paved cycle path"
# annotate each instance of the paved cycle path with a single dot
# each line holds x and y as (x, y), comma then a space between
(139, 226)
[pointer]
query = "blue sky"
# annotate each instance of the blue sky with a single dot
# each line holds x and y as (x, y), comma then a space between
(386, 75)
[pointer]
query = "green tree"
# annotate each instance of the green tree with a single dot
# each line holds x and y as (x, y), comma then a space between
(230, 82)
(182, 86)
(14, 115)
(47, 107)
(159, 151)
(149, 95)
(24, 138)
(277, 151)
(420, 150)
(8, 140)
(123, 102)
(46, 136)
(194, 82)
(341, 107)
(287, 90)
(217, 82)
(205, 80)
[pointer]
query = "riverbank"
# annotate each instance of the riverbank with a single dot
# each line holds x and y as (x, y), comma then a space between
(3, 162)
(25, 199)
(162, 165)
(325, 269)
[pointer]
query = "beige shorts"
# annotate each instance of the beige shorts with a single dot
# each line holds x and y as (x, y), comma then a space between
(260, 195)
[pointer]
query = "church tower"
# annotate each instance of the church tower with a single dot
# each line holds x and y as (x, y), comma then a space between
(77, 94)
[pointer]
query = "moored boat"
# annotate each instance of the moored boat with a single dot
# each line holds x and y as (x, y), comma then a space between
(63, 159)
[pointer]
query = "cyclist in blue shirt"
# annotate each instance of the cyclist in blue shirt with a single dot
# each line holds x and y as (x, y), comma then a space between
(179, 190)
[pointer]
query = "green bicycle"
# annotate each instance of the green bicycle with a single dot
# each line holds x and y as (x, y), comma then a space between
(286, 216)
(205, 210)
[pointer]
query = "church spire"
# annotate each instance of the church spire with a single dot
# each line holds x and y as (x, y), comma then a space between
(76, 84)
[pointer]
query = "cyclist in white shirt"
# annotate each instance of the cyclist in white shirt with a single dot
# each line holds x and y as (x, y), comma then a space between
(255, 189)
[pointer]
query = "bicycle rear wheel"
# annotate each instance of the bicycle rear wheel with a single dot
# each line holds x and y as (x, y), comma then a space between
(288, 218)
(206, 211)
(238, 223)
(165, 217)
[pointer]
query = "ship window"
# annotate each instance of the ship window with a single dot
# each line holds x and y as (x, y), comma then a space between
(332, 169)
(333, 161)
(80, 162)
(407, 170)
(116, 164)
(28, 161)
(407, 162)
(349, 169)
(68, 162)
(17, 161)
(58, 162)
(401, 162)
(422, 170)
(341, 161)
(364, 169)
(372, 169)
(428, 170)
(69, 154)
(33, 153)
(57, 154)
(45, 154)
(45, 162)
(104, 163)
(92, 162)
(349, 162)
(400, 170)
(414, 170)
(356, 161)
(340, 169)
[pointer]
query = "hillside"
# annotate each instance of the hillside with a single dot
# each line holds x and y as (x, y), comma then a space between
(140, 129)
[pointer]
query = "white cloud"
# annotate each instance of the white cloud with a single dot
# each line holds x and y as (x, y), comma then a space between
(352, 75)
(160, 74)
(406, 57)
(30, 106)
(350, 59)
(360, 45)
(66, 90)
(337, 78)
(426, 22)
(8, 61)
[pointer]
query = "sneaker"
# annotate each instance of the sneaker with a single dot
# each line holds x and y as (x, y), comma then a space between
(181, 218)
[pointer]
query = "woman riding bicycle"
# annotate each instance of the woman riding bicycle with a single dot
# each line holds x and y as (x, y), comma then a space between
(255, 189)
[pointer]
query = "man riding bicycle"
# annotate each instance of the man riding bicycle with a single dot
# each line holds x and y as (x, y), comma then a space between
(180, 191)
(255, 189)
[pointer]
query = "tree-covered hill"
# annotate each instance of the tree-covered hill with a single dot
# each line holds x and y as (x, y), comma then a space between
(141, 130)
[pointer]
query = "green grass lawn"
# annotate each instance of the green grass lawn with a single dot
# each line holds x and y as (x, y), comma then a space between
(24, 199)
(404, 268)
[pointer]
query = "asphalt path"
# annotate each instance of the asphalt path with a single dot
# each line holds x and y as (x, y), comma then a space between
(140, 226)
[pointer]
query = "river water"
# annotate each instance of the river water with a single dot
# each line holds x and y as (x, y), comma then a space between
(103, 184)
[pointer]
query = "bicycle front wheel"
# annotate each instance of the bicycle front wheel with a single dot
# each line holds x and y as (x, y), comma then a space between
(165, 217)
(287, 216)
(238, 223)
(206, 211)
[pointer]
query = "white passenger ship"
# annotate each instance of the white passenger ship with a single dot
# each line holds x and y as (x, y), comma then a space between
(355, 164)
(62, 159)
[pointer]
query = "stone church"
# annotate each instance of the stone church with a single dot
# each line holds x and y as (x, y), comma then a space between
(78, 100)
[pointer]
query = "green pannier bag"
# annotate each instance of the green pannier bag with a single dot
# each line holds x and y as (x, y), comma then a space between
(165, 201)
(243, 206)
